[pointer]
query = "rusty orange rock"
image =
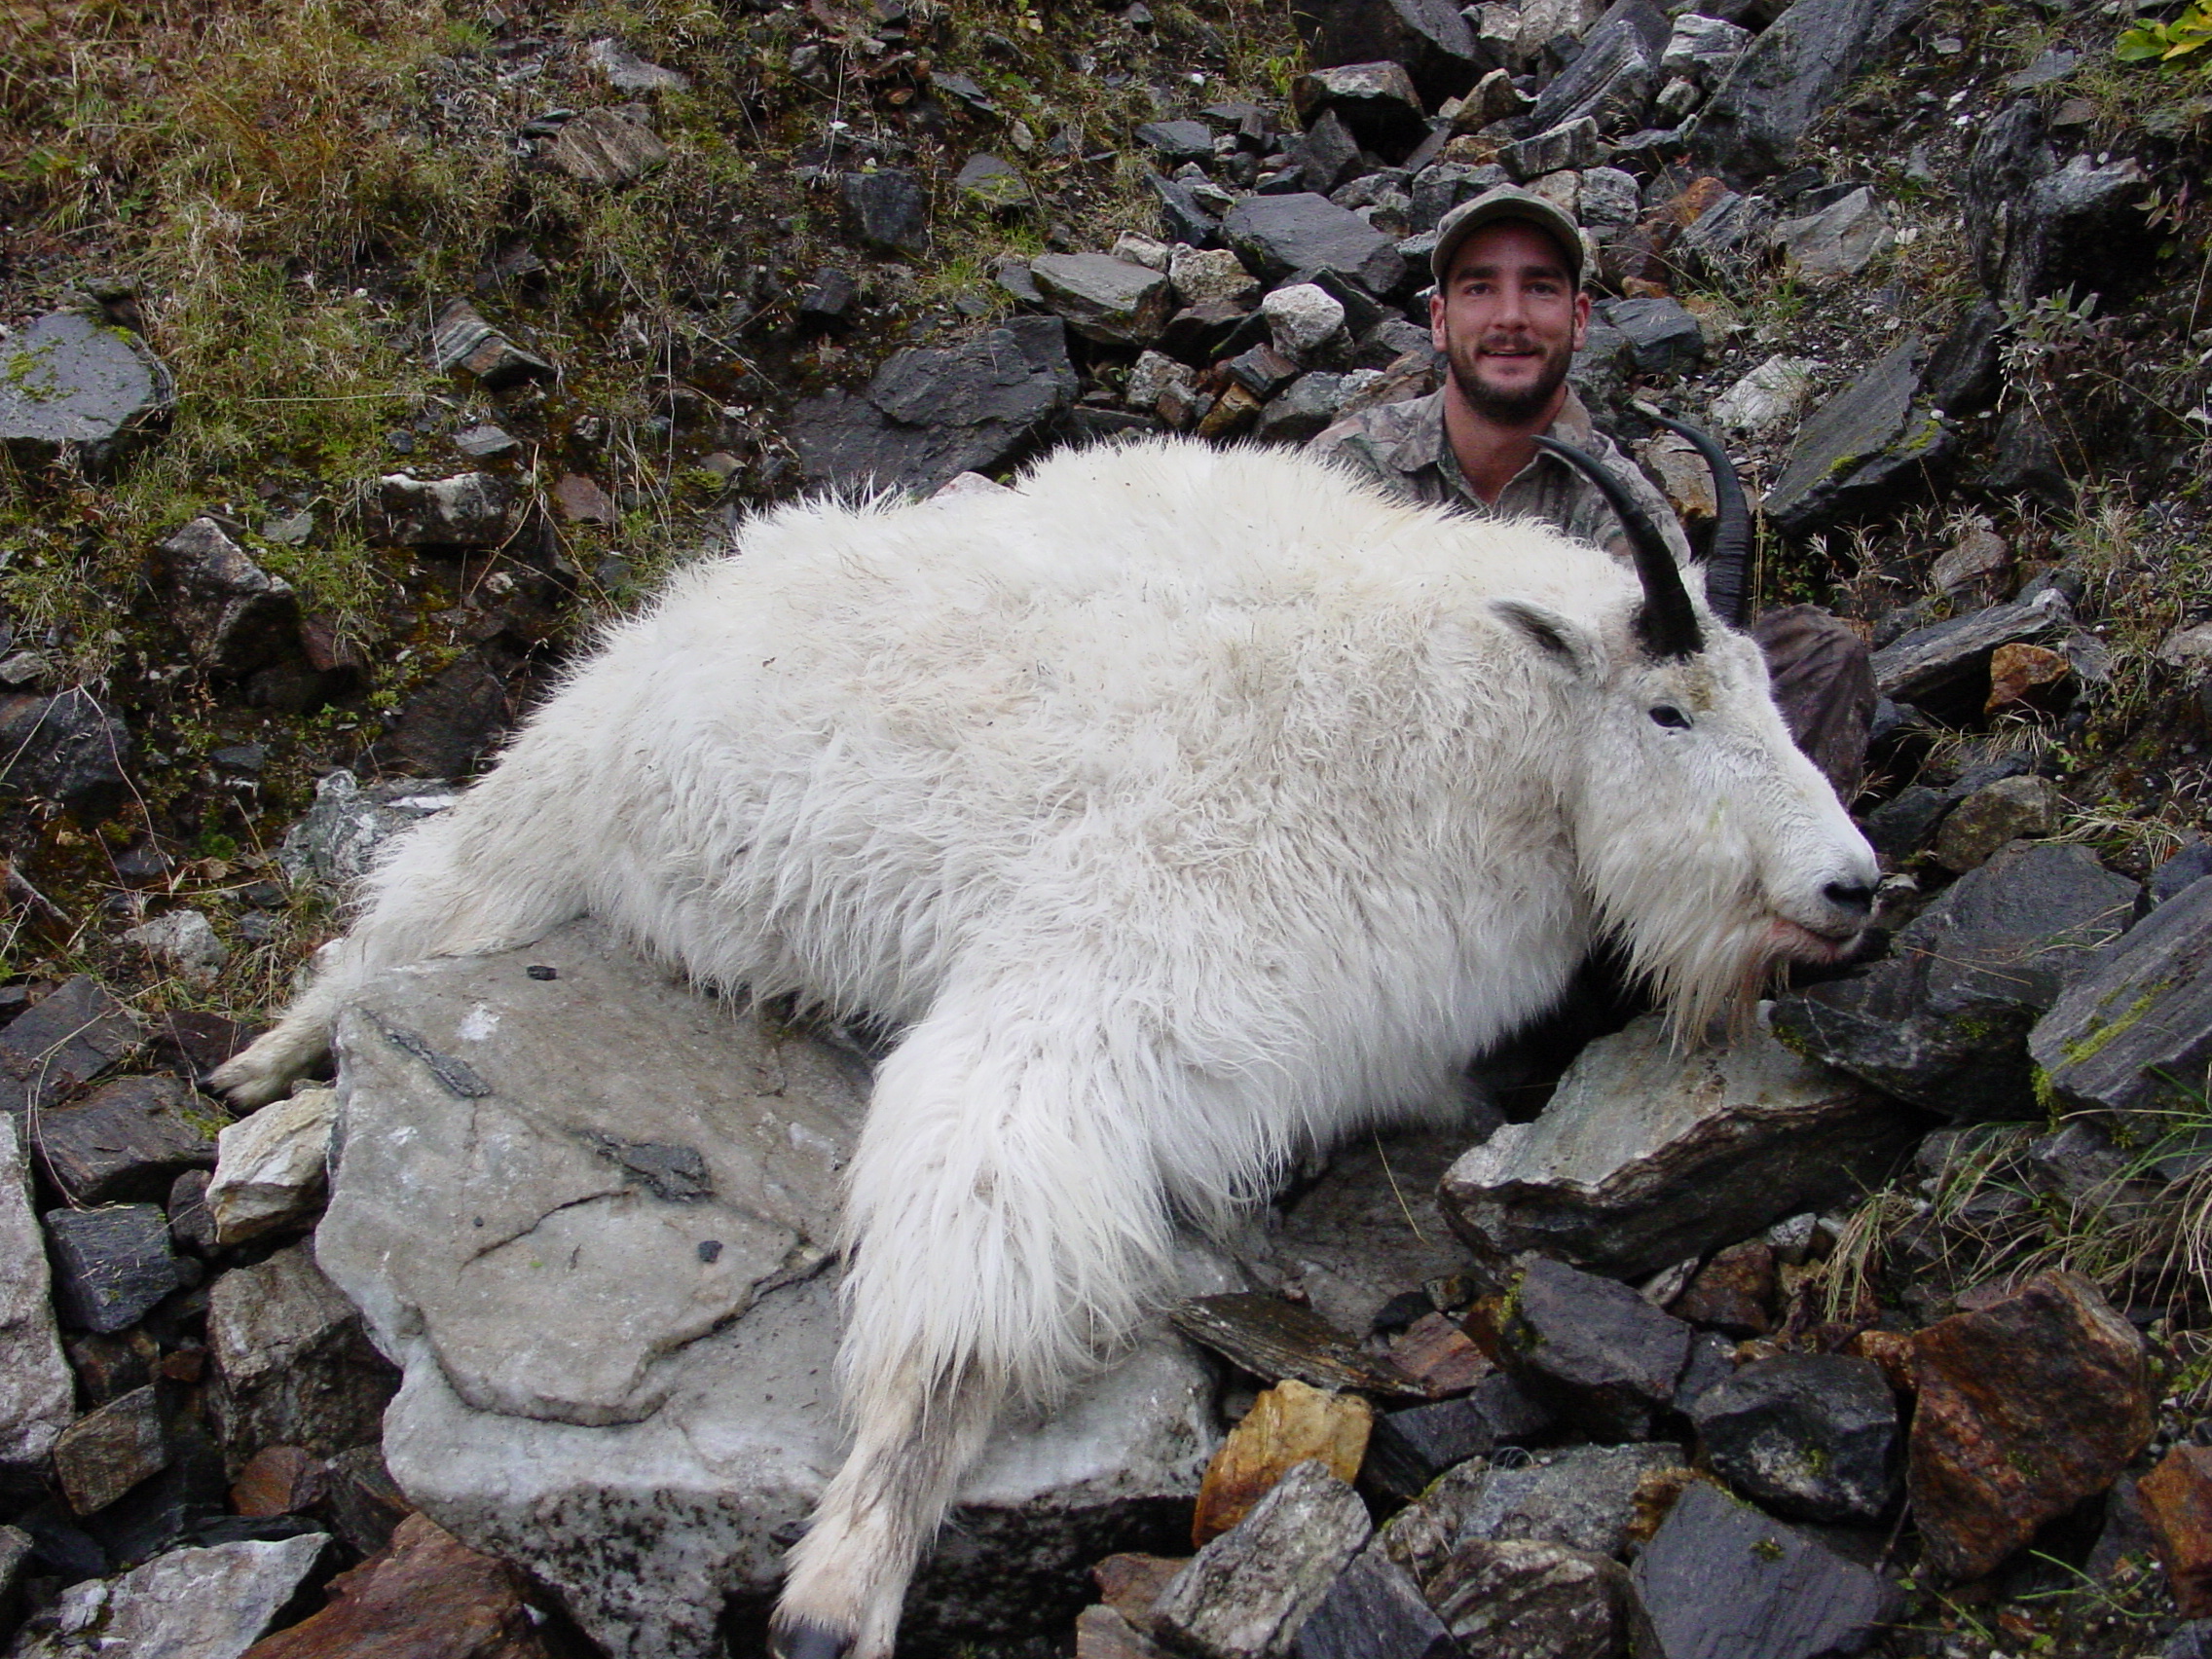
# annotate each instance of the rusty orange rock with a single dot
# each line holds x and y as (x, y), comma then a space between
(2177, 1502)
(1289, 1425)
(2021, 674)
(2027, 1407)
(1440, 1356)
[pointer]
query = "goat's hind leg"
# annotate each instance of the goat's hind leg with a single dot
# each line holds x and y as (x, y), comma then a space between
(846, 1580)
(1002, 1217)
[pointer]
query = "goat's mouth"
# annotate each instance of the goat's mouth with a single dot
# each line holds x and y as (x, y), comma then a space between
(1814, 947)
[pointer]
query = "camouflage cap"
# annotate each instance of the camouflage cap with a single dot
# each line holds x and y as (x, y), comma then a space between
(1506, 202)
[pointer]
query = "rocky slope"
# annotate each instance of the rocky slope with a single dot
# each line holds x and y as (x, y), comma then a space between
(360, 359)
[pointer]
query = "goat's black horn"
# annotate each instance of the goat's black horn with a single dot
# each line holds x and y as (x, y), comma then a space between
(1729, 559)
(1666, 623)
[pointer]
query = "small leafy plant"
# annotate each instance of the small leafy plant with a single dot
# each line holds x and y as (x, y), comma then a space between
(2166, 41)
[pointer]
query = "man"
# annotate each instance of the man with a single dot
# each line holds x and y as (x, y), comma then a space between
(1508, 312)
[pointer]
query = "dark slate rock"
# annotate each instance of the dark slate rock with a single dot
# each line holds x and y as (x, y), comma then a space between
(192, 1224)
(2192, 1640)
(1175, 142)
(292, 1365)
(1530, 1599)
(1813, 1436)
(1277, 236)
(71, 385)
(995, 185)
(1611, 80)
(110, 1265)
(1182, 217)
(2024, 458)
(1430, 38)
(1325, 154)
(2184, 871)
(1726, 238)
(889, 210)
(67, 748)
(1713, 1359)
(1410, 1449)
(2037, 226)
(1376, 101)
(1273, 1338)
(1583, 1497)
(107, 1451)
(1961, 376)
(1791, 74)
(366, 1504)
(233, 615)
(2133, 1032)
(127, 1141)
(1950, 661)
(1439, 187)
(827, 302)
(447, 725)
(1572, 144)
(1304, 410)
(1600, 1353)
(1720, 1580)
(188, 1494)
(1374, 1611)
(15, 1565)
(1868, 448)
(60, 1547)
(1662, 338)
(1904, 824)
(934, 411)
(484, 443)
(1943, 1022)
(73, 1036)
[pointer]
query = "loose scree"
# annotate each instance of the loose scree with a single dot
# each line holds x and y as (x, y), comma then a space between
(1184, 807)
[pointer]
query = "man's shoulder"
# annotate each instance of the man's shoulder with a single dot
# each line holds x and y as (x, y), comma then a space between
(1386, 435)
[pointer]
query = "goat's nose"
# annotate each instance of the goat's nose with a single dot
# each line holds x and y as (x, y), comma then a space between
(1856, 897)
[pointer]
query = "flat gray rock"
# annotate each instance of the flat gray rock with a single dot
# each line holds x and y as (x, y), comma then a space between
(1103, 298)
(1646, 1156)
(2132, 1033)
(1866, 446)
(621, 1379)
(1278, 235)
(1940, 658)
(69, 381)
(337, 842)
(37, 1392)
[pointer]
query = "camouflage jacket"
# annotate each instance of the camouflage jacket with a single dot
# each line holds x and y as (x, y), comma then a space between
(1402, 447)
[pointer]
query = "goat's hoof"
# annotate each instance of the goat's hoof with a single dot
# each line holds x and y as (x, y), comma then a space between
(807, 1639)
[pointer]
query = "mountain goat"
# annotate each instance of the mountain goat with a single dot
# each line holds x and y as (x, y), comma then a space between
(1185, 808)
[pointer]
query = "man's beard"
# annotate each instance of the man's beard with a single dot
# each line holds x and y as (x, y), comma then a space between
(1508, 408)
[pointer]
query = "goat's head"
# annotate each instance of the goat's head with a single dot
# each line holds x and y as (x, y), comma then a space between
(1716, 853)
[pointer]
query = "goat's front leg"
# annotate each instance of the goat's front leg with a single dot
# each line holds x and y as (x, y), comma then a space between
(1003, 1217)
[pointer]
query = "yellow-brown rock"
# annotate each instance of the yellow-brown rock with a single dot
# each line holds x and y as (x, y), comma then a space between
(1290, 1423)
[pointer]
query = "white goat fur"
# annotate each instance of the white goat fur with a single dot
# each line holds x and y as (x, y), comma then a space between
(1186, 806)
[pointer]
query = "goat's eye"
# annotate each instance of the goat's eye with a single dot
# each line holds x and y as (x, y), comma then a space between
(1666, 715)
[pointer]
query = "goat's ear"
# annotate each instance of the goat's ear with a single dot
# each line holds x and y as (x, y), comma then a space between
(1567, 643)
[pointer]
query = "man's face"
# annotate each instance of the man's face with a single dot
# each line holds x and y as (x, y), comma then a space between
(1508, 320)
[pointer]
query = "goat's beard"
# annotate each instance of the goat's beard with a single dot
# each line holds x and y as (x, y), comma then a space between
(1506, 408)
